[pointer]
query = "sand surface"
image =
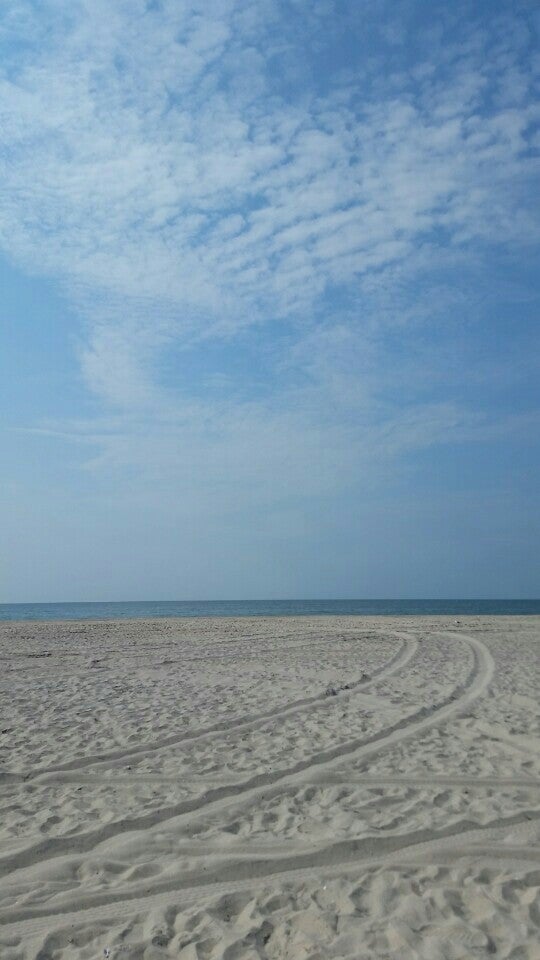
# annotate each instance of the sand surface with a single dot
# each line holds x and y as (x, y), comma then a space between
(291, 789)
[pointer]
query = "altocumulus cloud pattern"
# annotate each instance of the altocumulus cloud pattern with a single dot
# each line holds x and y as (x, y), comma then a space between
(292, 236)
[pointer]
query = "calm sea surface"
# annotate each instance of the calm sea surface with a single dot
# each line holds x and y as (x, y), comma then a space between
(262, 608)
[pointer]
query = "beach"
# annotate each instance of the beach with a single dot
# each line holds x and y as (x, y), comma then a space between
(290, 788)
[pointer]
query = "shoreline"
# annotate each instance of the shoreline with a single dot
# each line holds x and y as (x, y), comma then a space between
(450, 617)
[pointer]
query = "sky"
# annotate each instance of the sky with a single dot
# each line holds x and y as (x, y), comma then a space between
(269, 299)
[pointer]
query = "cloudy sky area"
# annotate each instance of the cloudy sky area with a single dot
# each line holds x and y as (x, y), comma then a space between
(269, 277)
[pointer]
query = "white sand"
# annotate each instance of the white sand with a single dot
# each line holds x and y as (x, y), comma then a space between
(193, 789)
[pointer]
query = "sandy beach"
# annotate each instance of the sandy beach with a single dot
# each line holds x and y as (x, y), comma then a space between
(281, 788)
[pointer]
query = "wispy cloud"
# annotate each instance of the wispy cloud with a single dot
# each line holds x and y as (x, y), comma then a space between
(182, 171)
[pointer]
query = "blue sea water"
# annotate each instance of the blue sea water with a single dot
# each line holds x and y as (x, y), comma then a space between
(263, 608)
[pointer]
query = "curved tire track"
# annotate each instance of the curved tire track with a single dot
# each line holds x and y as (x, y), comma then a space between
(216, 798)
(249, 722)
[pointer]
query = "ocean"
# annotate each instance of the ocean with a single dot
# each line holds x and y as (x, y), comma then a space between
(263, 608)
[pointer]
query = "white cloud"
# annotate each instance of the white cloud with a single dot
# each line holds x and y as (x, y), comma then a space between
(152, 163)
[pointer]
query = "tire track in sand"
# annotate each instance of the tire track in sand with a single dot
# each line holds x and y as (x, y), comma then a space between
(219, 797)
(405, 653)
(340, 858)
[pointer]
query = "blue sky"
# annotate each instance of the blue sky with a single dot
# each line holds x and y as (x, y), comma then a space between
(269, 296)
